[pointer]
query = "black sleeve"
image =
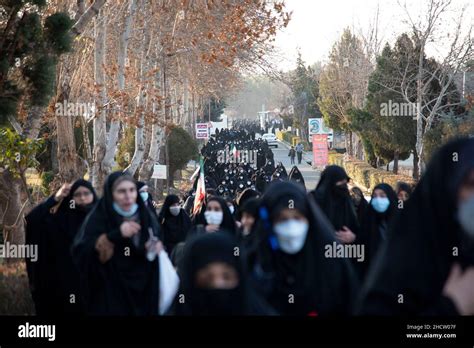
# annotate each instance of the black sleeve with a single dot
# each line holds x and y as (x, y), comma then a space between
(40, 211)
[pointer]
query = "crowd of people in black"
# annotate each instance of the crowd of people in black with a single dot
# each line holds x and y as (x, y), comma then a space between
(259, 243)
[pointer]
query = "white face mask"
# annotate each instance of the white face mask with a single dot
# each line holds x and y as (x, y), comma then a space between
(232, 209)
(214, 217)
(175, 210)
(291, 235)
(466, 216)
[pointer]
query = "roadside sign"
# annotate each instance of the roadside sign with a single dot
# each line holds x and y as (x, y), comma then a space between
(317, 126)
(159, 171)
(202, 131)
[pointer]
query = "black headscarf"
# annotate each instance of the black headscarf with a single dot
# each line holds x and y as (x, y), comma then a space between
(418, 255)
(114, 220)
(54, 277)
(202, 251)
(296, 176)
(250, 241)
(228, 222)
(335, 201)
(245, 196)
(174, 228)
(70, 215)
(403, 186)
(320, 285)
(376, 226)
(360, 207)
(127, 284)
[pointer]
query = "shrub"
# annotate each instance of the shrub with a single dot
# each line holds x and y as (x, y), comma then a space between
(46, 179)
(365, 175)
(15, 296)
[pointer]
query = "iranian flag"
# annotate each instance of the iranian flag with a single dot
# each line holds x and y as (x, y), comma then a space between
(235, 152)
(200, 189)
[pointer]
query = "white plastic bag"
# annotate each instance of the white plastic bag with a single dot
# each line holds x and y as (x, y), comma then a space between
(169, 282)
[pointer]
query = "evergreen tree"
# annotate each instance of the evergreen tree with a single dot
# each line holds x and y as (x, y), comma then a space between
(29, 49)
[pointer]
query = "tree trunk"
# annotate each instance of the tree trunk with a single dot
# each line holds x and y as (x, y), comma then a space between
(396, 156)
(92, 11)
(122, 58)
(416, 172)
(419, 116)
(349, 148)
(70, 164)
(142, 103)
(98, 172)
(11, 201)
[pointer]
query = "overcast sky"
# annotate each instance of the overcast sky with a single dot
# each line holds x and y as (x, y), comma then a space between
(317, 24)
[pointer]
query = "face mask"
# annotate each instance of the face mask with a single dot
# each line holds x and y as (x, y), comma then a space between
(291, 235)
(232, 209)
(380, 204)
(341, 190)
(85, 208)
(144, 196)
(175, 211)
(214, 217)
(124, 213)
(466, 216)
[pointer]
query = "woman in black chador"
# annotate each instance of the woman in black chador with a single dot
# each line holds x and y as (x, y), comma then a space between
(376, 223)
(332, 195)
(214, 281)
(296, 177)
(52, 225)
(426, 266)
(174, 221)
(293, 271)
(116, 252)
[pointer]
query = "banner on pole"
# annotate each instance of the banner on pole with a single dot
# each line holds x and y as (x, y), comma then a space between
(320, 150)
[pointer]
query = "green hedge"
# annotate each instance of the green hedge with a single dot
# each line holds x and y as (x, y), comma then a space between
(365, 175)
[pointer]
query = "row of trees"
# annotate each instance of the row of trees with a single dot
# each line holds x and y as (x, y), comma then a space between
(135, 69)
(394, 100)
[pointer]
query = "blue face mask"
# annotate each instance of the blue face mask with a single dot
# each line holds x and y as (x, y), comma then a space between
(124, 213)
(380, 204)
(144, 196)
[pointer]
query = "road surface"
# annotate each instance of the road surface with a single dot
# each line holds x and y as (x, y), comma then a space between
(311, 176)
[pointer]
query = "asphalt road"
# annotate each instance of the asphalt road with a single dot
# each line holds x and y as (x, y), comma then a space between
(311, 176)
